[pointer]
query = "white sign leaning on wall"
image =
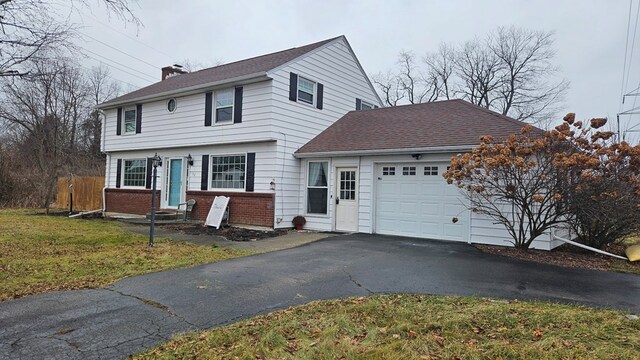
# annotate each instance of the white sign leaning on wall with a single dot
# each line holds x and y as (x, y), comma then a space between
(216, 213)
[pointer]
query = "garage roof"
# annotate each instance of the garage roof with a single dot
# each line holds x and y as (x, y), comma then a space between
(218, 73)
(441, 124)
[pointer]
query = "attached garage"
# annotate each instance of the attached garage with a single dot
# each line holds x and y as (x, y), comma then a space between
(413, 199)
(397, 156)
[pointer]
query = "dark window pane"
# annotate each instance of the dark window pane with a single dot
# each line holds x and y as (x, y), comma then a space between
(223, 114)
(305, 97)
(317, 201)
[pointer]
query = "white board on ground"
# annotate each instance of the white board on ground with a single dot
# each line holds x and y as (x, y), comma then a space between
(216, 213)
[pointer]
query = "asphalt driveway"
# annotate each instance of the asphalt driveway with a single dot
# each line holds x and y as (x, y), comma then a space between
(142, 311)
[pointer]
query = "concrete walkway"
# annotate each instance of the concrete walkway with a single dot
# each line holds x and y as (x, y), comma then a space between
(139, 312)
(291, 239)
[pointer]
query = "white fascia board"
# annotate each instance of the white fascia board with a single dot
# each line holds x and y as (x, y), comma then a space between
(427, 150)
(244, 79)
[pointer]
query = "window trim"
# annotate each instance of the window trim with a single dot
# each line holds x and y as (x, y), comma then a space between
(215, 107)
(133, 108)
(122, 175)
(306, 189)
(314, 96)
(210, 175)
(366, 103)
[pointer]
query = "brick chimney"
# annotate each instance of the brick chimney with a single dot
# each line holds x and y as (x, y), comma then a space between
(172, 70)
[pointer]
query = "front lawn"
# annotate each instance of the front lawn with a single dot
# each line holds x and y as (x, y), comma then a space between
(416, 327)
(41, 253)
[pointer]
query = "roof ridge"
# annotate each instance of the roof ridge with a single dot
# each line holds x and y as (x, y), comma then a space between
(270, 54)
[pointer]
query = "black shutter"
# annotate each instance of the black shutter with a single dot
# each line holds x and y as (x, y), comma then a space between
(138, 118)
(118, 173)
(251, 169)
(204, 177)
(293, 87)
(119, 122)
(320, 88)
(147, 183)
(358, 104)
(237, 106)
(208, 108)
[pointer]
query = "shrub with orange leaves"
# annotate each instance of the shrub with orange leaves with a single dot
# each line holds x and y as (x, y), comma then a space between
(535, 180)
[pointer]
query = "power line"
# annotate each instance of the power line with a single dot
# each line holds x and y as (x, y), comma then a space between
(122, 52)
(146, 77)
(130, 37)
(633, 43)
(626, 48)
(111, 76)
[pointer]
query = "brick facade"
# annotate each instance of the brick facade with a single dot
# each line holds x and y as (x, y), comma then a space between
(130, 201)
(246, 208)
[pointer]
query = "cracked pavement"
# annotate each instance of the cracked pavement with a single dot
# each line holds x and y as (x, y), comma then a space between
(137, 313)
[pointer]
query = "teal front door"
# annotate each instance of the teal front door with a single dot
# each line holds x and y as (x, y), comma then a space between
(175, 182)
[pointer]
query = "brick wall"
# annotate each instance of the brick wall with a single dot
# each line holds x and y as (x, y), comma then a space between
(246, 208)
(130, 201)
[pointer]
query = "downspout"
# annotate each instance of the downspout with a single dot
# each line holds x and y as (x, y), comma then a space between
(106, 184)
(586, 247)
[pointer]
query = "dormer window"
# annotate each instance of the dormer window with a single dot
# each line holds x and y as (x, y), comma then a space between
(224, 106)
(306, 90)
(130, 120)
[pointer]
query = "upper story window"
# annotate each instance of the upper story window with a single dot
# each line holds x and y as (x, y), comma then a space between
(172, 104)
(224, 106)
(134, 173)
(306, 90)
(228, 172)
(366, 106)
(130, 120)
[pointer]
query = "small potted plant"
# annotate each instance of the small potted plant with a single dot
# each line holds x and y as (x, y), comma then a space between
(299, 222)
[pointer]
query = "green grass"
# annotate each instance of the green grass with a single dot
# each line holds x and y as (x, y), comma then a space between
(416, 327)
(46, 253)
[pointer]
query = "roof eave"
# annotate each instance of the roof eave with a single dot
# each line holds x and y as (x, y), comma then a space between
(246, 79)
(399, 151)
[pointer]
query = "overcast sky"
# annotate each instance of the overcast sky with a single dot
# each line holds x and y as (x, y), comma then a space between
(590, 36)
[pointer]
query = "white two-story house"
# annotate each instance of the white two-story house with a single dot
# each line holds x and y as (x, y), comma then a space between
(299, 132)
(230, 130)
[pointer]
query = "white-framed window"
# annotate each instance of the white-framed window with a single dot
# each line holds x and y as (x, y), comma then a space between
(224, 106)
(431, 170)
(317, 187)
(130, 120)
(408, 170)
(365, 105)
(306, 90)
(134, 172)
(389, 170)
(228, 172)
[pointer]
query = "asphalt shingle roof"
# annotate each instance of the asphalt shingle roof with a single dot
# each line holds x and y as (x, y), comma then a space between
(226, 71)
(436, 124)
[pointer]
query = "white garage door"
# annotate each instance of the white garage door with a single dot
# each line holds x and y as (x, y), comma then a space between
(415, 200)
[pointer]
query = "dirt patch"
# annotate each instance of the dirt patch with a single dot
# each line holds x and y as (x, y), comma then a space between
(231, 233)
(570, 256)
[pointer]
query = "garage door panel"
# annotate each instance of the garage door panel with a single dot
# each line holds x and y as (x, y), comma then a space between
(419, 205)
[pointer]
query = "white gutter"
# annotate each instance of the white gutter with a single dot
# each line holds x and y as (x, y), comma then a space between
(421, 150)
(259, 76)
(553, 233)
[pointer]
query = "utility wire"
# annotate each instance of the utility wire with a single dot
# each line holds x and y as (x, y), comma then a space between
(130, 37)
(122, 52)
(633, 43)
(146, 78)
(626, 48)
(111, 76)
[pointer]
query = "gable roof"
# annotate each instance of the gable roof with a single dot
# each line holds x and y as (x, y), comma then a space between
(255, 65)
(446, 124)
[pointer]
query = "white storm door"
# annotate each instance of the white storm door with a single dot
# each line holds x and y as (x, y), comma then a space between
(346, 200)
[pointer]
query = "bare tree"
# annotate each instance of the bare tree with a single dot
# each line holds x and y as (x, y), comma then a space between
(389, 85)
(101, 87)
(28, 30)
(509, 71)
